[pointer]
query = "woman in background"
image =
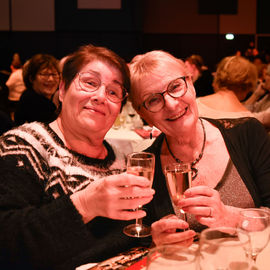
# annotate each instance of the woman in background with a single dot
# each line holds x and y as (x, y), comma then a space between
(41, 77)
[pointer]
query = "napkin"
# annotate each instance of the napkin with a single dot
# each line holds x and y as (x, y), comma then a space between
(145, 132)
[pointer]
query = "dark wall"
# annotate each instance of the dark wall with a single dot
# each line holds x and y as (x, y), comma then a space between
(121, 31)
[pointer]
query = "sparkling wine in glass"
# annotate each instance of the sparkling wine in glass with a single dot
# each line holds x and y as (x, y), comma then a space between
(178, 179)
(141, 164)
(255, 221)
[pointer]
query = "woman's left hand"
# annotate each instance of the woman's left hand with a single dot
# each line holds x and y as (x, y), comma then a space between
(205, 203)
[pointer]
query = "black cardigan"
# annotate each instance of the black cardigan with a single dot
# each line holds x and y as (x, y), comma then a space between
(248, 145)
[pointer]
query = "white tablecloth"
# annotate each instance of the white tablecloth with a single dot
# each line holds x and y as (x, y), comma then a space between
(127, 140)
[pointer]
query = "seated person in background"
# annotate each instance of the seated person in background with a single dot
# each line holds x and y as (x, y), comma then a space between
(235, 77)
(230, 158)
(41, 77)
(16, 87)
(64, 199)
(260, 99)
(201, 76)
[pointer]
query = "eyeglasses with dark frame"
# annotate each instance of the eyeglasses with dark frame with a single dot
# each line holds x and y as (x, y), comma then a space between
(90, 82)
(176, 88)
(46, 76)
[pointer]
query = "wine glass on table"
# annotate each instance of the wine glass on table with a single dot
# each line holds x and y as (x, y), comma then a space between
(178, 178)
(255, 221)
(172, 257)
(142, 164)
(224, 248)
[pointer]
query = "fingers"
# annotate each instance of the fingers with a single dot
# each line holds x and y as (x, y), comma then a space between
(199, 190)
(133, 203)
(164, 232)
(125, 180)
(200, 211)
(135, 191)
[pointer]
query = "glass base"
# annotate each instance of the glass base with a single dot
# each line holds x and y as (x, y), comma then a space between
(137, 230)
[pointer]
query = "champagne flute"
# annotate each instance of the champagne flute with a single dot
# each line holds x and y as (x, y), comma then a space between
(256, 222)
(224, 248)
(178, 179)
(142, 164)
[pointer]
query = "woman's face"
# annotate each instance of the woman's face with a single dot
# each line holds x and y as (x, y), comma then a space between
(178, 114)
(87, 112)
(46, 82)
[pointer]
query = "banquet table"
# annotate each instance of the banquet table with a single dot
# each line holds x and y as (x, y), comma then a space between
(127, 140)
(263, 262)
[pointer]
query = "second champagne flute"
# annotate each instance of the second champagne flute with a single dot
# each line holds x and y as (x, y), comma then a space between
(142, 164)
(178, 178)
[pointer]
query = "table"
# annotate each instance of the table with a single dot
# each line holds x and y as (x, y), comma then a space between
(127, 140)
(263, 261)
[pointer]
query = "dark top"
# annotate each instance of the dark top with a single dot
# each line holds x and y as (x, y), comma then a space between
(34, 107)
(5, 122)
(39, 226)
(248, 145)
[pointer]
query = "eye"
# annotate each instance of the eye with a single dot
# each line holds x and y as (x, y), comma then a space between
(91, 83)
(115, 90)
(153, 101)
(177, 86)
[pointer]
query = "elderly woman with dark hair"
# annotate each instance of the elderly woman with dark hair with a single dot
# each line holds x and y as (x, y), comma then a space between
(64, 195)
(41, 76)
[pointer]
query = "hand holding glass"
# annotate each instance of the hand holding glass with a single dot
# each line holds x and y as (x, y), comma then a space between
(142, 164)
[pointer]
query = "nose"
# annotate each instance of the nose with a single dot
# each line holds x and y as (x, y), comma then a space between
(100, 94)
(170, 102)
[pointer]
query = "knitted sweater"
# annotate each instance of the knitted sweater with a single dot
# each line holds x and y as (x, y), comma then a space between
(39, 226)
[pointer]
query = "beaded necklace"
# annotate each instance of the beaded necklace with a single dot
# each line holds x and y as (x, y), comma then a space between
(194, 170)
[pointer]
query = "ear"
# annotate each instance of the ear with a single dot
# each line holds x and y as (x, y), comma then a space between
(62, 91)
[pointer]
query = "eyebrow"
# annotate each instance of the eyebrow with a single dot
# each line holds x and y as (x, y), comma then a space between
(98, 74)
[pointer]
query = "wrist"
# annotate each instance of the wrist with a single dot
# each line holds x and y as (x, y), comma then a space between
(78, 202)
(232, 216)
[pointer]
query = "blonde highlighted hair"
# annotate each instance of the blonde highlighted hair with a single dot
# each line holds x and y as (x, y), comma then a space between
(149, 63)
(235, 73)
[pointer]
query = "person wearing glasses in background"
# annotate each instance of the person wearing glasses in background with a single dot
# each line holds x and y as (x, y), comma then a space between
(41, 76)
(65, 198)
(230, 158)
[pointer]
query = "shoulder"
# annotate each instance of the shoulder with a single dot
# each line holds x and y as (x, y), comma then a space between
(235, 123)
(29, 133)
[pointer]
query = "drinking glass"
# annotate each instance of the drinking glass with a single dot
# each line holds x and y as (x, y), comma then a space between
(178, 178)
(255, 221)
(142, 164)
(172, 257)
(224, 248)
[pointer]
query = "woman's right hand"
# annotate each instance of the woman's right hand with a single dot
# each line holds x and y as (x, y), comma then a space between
(164, 232)
(115, 197)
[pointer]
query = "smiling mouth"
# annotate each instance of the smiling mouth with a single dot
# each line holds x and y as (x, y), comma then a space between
(94, 110)
(179, 115)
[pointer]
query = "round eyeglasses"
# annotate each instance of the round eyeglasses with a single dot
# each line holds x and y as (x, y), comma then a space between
(176, 88)
(89, 82)
(46, 76)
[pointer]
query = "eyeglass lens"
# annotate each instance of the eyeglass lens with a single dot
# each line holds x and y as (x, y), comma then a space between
(176, 88)
(90, 83)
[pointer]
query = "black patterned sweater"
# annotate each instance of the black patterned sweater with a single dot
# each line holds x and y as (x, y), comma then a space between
(39, 226)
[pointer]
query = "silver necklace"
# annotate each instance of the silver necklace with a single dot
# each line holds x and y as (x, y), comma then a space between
(194, 170)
